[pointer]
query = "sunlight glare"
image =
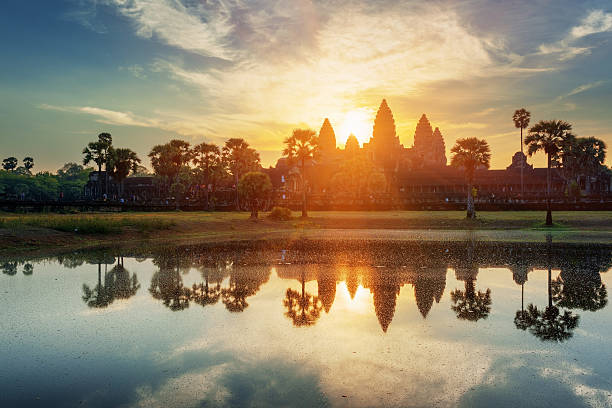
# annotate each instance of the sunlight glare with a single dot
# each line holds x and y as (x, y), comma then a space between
(358, 122)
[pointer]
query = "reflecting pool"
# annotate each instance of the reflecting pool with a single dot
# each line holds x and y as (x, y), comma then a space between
(309, 323)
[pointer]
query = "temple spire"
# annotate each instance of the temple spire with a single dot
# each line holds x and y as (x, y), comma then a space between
(327, 137)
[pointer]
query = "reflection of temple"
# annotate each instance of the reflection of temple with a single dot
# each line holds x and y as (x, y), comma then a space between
(412, 174)
(384, 284)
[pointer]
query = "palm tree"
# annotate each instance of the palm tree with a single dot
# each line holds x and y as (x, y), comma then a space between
(470, 153)
(301, 147)
(28, 163)
(521, 120)
(95, 152)
(239, 159)
(591, 157)
(548, 136)
(121, 162)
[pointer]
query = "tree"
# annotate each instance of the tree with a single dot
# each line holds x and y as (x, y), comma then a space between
(10, 163)
(591, 157)
(28, 163)
(168, 159)
(209, 165)
(521, 119)
(239, 158)
(470, 153)
(121, 162)
(548, 136)
(95, 152)
(254, 187)
(300, 148)
(303, 309)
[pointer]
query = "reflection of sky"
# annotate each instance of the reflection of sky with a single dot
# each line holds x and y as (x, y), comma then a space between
(137, 352)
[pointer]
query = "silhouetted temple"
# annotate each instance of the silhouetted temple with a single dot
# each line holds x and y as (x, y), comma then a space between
(398, 176)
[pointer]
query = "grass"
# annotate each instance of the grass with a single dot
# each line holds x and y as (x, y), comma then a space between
(41, 231)
(87, 224)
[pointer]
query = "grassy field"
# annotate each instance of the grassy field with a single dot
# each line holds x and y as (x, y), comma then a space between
(49, 230)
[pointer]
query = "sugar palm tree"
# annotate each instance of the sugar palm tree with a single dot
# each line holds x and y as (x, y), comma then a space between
(301, 148)
(470, 153)
(548, 136)
(28, 163)
(95, 152)
(122, 161)
(209, 166)
(521, 119)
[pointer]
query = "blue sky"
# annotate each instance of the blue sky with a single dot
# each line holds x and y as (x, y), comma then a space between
(151, 70)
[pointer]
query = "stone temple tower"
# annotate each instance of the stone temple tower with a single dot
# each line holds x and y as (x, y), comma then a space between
(429, 145)
(327, 139)
(385, 142)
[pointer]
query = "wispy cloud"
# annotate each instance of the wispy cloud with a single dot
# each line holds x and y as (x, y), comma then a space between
(581, 89)
(597, 21)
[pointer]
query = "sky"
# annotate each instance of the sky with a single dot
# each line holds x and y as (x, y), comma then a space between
(148, 71)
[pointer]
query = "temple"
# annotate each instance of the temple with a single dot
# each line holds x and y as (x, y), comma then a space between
(383, 173)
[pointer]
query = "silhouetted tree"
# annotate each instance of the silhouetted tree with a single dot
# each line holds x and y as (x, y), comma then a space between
(239, 159)
(243, 283)
(28, 164)
(169, 159)
(300, 148)
(577, 291)
(548, 136)
(254, 187)
(521, 119)
(10, 163)
(96, 152)
(470, 154)
(167, 286)
(209, 165)
(124, 285)
(121, 162)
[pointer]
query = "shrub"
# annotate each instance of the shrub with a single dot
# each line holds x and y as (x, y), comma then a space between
(280, 214)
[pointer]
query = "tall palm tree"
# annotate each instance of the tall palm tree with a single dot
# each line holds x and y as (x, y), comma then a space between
(300, 148)
(470, 153)
(548, 136)
(28, 163)
(122, 161)
(521, 119)
(239, 158)
(95, 152)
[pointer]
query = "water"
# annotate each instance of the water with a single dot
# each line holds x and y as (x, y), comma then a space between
(309, 323)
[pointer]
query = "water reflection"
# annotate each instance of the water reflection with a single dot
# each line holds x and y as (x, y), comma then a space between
(231, 276)
(114, 284)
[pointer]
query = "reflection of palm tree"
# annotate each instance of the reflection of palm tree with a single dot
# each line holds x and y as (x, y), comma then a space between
(549, 324)
(28, 269)
(470, 304)
(203, 294)
(243, 283)
(167, 286)
(303, 309)
(9, 268)
(124, 286)
(101, 295)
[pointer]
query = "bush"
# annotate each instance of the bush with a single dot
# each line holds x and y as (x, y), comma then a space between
(280, 214)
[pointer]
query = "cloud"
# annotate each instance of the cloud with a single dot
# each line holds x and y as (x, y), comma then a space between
(199, 28)
(136, 70)
(597, 21)
(580, 89)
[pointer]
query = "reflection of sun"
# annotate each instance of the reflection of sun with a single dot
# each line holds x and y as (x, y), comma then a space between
(358, 122)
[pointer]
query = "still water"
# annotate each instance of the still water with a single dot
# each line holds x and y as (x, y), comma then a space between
(309, 323)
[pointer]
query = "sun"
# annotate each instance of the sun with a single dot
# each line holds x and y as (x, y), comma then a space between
(358, 122)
